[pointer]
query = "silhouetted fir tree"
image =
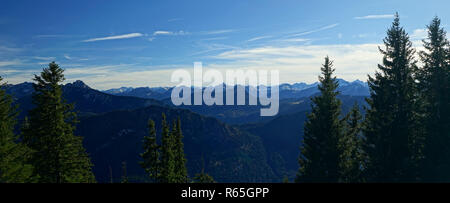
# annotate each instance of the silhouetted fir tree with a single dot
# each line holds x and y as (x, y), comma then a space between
(319, 159)
(180, 159)
(151, 157)
(352, 157)
(434, 83)
(392, 132)
(167, 154)
(59, 156)
(13, 155)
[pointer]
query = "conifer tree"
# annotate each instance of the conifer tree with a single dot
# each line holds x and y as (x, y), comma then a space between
(167, 154)
(180, 159)
(350, 145)
(13, 155)
(151, 156)
(392, 132)
(59, 156)
(434, 83)
(319, 159)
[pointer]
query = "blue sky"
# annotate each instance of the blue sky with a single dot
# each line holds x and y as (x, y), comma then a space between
(139, 43)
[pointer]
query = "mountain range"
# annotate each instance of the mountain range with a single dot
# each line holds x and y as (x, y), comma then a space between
(286, 91)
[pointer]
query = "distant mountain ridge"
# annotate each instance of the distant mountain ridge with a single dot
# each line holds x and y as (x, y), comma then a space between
(295, 90)
(293, 98)
(86, 99)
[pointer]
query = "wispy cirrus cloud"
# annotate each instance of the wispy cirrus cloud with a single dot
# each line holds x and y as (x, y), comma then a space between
(163, 32)
(296, 40)
(66, 56)
(43, 58)
(95, 70)
(9, 49)
(384, 16)
(214, 38)
(315, 30)
(213, 47)
(10, 63)
(258, 38)
(124, 36)
(216, 32)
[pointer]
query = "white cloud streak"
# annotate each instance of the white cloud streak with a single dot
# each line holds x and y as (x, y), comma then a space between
(125, 36)
(216, 32)
(10, 63)
(162, 32)
(296, 40)
(214, 38)
(316, 30)
(9, 49)
(50, 58)
(385, 16)
(258, 38)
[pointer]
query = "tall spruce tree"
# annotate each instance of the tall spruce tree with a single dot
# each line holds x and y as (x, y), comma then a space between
(151, 157)
(392, 132)
(13, 155)
(350, 145)
(59, 156)
(434, 83)
(180, 159)
(167, 154)
(319, 159)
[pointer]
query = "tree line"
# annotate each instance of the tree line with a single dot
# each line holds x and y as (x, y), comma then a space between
(404, 135)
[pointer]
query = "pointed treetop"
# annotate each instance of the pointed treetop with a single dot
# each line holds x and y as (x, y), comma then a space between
(327, 69)
(52, 74)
